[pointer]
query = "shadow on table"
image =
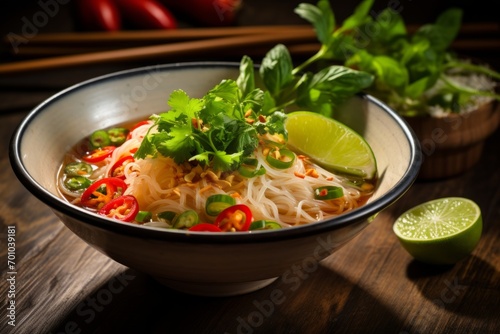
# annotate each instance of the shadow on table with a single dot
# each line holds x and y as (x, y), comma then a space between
(449, 287)
(299, 302)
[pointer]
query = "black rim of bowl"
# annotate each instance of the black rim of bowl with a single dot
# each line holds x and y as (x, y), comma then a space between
(60, 205)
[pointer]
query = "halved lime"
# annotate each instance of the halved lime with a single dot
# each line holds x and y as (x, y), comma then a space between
(442, 231)
(330, 144)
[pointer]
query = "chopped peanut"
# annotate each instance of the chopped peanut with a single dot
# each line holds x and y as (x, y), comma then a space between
(297, 174)
(312, 172)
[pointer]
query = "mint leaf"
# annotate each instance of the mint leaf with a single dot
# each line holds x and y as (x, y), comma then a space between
(331, 86)
(358, 18)
(443, 32)
(246, 78)
(389, 73)
(268, 103)
(320, 16)
(276, 70)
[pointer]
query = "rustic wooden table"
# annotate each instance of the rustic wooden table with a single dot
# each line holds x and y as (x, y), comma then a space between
(371, 285)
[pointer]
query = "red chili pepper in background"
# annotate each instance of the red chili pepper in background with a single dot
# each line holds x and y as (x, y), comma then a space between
(117, 170)
(98, 14)
(123, 208)
(95, 197)
(147, 14)
(234, 218)
(110, 15)
(99, 154)
(207, 12)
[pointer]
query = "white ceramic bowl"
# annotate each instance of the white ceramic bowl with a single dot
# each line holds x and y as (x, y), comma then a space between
(198, 263)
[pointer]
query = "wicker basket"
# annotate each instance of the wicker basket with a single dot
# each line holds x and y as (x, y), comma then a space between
(453, 144)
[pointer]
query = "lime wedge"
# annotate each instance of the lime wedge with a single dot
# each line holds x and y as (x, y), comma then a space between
(442, 231)
(331, 144)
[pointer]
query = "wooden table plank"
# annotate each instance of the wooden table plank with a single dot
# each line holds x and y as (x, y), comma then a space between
(371, 283)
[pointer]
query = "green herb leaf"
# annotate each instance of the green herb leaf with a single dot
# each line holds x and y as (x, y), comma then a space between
(321, 17)
(146, 149)
(226, 162)
(358, 18)
(181, 104)
(389, 73)
(246, 79)
(330, 87)
(443, 32)
(178, 143)
(276, 70)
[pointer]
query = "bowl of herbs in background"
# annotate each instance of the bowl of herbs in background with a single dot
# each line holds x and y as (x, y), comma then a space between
(449, 101)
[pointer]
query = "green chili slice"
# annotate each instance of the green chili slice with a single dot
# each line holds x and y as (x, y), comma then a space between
(217, 203)
(76, 183)
(285, 160)
(167, 216)
(78, 169)
(273, 143)
(264, 224)
(249, 169)
(328, 192)
(99, 138)
(117, 136)
(143, 216)
(186, 219)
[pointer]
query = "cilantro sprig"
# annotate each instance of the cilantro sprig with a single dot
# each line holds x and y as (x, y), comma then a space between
(219, 130)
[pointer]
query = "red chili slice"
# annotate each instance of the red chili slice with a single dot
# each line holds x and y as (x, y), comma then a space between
(123, 208)
(141, 123)
(117, 170)
(205, 227)
(234, 218)
(99, 154)
(95, 197)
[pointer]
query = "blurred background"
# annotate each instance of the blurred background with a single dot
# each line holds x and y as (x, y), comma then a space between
(14, 15)
(30, 19)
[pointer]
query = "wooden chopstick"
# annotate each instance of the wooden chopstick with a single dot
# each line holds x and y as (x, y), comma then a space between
(148, 36)
(156, 51)
(184, 34)
(101, 47)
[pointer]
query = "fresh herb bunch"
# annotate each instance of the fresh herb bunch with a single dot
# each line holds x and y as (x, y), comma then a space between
(222, 129)
(219, 129)
(413, 72)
